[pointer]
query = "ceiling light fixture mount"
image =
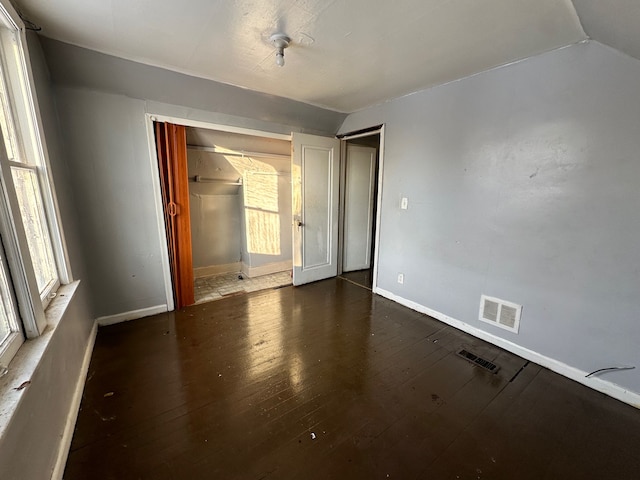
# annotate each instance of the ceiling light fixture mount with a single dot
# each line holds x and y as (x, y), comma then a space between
(280, 41)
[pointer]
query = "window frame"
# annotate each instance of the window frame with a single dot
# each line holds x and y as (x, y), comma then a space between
(10, 345)
(17, 77)
(52, 286)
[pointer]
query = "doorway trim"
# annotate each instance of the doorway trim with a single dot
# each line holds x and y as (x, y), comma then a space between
(155, 178)
(376, 244)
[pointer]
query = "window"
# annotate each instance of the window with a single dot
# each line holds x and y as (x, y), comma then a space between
(27, 188)
(10, 333)
(31, 254)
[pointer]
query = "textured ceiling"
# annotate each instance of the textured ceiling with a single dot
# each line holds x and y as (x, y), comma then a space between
(346, 54)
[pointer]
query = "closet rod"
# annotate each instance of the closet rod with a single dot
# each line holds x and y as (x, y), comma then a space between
(240, 153)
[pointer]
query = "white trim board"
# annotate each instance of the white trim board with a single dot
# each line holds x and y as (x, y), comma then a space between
(188, 122)
(376, 243)
(72, 416)
(602, 386)
(132, 315)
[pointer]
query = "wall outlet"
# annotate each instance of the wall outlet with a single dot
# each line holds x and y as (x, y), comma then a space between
(404, 203)
(401, 278)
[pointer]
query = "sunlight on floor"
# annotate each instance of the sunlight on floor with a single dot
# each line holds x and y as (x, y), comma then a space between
(220, 286)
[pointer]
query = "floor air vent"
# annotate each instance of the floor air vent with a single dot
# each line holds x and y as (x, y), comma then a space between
(501, 313)
(476, 360)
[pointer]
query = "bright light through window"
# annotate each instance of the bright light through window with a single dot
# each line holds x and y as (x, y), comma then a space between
(33, 217)
(8, 132)
(8, 321)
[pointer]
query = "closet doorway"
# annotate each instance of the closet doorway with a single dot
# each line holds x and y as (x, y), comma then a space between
(360, 171)
(239, 205)
(230, 194)
(240, 209)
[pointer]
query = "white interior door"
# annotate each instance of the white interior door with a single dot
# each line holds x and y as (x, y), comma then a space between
(315, 183)
(358, 208)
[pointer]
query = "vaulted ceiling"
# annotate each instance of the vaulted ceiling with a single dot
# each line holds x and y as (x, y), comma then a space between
(345, 54)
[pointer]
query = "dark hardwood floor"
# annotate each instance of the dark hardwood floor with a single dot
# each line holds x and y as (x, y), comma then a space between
(364, 278)
(327, 381)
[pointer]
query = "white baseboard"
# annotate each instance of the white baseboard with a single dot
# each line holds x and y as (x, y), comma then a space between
(132, 315)
(201, 272)
(72, 416)
(608, 388)
(267, 269)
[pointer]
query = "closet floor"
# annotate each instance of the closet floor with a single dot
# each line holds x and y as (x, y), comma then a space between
(216, 287)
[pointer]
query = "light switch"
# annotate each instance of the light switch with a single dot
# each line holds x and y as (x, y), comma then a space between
(404, 203)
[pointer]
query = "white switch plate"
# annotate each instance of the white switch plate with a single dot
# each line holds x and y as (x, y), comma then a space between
(404, 203)
(401, 278)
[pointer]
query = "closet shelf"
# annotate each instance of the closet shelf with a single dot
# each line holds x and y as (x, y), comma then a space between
(238, 153)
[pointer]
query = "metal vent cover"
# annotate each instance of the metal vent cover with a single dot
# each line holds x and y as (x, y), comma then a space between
(479, 361)
(501, 313)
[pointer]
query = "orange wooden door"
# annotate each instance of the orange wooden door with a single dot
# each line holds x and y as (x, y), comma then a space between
(171, 142)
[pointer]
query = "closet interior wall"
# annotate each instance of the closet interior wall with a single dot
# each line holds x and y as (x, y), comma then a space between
(240, 196)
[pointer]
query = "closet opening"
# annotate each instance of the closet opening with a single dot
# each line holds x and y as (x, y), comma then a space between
(240, 211)
(226, 199)
(360, 172)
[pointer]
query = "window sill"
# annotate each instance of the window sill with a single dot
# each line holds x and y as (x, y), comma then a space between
(26, 361)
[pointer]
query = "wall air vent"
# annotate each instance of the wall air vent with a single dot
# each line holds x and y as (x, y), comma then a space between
(501, 313)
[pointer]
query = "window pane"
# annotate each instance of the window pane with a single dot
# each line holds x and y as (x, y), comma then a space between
(6, 123)
(5, 328)
(35, 225)
(8, 321)
(8, 133)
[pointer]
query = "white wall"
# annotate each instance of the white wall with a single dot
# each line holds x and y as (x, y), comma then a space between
(215, 209)
(522, 184)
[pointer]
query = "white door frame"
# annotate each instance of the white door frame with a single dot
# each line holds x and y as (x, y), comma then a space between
(155, 178)
(376, 244)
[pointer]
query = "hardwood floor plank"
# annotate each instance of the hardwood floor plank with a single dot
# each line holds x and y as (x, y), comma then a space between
(328, 381)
